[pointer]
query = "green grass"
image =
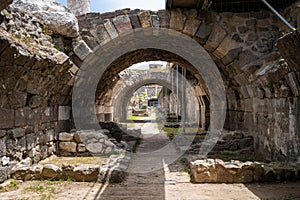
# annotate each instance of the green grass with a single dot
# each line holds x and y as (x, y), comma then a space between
(45, 191)
(14, 185)
(136, 117)
(58, 161)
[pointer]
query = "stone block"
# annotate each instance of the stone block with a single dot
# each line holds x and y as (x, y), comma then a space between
(203, 33)
(21, 144)
(7, 118)
(81, 148)
(145, 19)
(10, 146)
(155, 21)
(2, 146)
(245, 58)
(226, 45)
(46, 114)
(65, 136)
(90, 41)
(67, 171)
(101, 35)
(191, 26)
(237, 20)
(35, 101)
(27, 116)
(3, 174)
(17, 99)
(111, 30)
(30, 141)
(87, 173)
(177, 20)
(68, 146)
(44, 151)
(135, 22)
(232, 55)
(122, 23)
(64, 112)
(82, 50)
(51, 171)
(293, 82)
(226, 172)
(164, 18)
(17, 132)
(50, 135)
(95, 147)
(203, 172)
(216, 37)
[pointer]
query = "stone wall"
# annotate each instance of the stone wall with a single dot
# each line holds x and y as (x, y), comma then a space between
(84, 143)
(262, 90)
(36, 80)
(36, 74)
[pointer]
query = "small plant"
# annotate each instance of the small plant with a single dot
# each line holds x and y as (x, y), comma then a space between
(184, 160)
(27, 40)
(47, 29)
(71, 179)
(46, 197)
(12, 186)
(14, 183)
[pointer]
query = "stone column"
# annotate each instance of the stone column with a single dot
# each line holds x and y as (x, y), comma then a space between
(79, 7)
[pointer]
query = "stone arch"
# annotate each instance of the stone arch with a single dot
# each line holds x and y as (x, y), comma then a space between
(242, 61)
(93, 68)
(127, 93)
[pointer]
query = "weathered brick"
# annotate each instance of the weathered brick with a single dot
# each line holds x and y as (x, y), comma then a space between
(191, 26)
(164, 18)
(68, 146)
(110, 29)
(177, 20)
(145, 19)
(100, 34)
(17, 132)
(7, 118)
(203, 33)
(216, 37)
(223, 49)
(2, 146)
(155, 21)
(122, 23)
(135, 22)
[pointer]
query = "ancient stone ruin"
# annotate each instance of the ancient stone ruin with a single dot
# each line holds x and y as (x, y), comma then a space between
(62, 93)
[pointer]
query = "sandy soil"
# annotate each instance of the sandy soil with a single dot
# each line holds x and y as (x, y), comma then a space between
(38, 190)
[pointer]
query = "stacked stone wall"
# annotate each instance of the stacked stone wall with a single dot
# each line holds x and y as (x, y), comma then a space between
(36, 80)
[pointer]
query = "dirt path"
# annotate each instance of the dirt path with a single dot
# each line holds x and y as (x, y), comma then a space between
(161, 184)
